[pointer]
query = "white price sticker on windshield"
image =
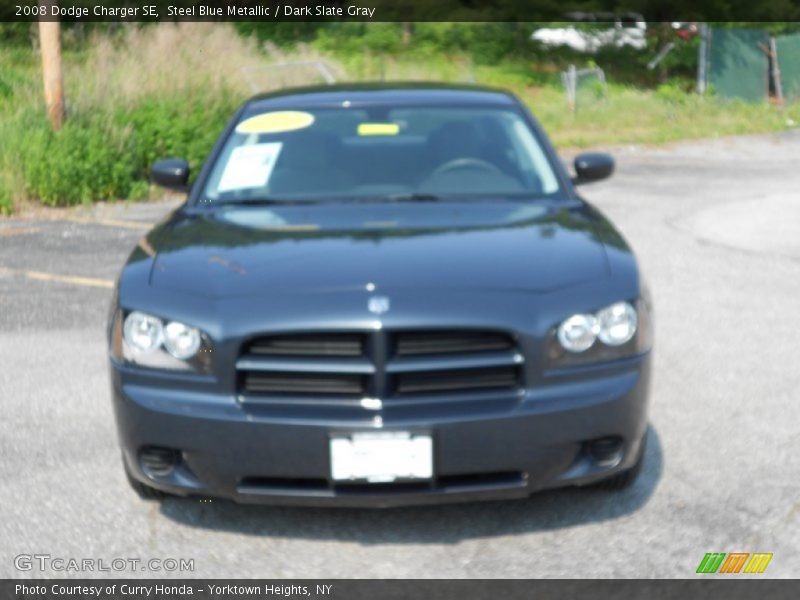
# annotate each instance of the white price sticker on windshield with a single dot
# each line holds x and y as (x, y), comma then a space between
(250, 166)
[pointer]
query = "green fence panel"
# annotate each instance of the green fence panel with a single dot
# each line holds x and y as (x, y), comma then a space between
(738, 65)
(788, 47)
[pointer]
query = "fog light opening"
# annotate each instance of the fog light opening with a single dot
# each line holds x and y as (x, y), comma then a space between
(606, 452)
(158, 462)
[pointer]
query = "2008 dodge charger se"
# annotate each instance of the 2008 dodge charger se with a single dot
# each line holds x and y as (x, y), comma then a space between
(378, 295)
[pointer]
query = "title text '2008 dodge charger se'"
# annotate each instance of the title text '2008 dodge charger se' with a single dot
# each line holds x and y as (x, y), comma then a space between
(380, 295)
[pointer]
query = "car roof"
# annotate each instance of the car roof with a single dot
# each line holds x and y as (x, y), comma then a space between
(374, 94)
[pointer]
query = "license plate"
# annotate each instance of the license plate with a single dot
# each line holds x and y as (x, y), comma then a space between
(381, 457)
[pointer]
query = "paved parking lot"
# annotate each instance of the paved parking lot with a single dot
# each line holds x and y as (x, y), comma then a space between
(716, 226)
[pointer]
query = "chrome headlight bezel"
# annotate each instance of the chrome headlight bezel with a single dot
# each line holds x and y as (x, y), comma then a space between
(578, 333)
(167, 353)
(617, 323)
(609, 344)
(144, 333)
(181, 341)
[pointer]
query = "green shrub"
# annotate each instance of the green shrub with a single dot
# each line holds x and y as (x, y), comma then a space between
(179, 126)
(672, 92)
(5, 89)
(484, 43)
(86, 161)
(360, 38)
(6, 204)
(592, 89)
(107, 155)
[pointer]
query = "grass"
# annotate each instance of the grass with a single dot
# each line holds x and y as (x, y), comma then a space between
(631, 116)
(139, 94)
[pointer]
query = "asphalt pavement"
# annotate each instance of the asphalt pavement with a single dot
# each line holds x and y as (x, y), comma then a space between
(716, 226)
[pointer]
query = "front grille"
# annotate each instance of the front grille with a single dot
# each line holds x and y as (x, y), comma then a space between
(456, 381)
(386, 365)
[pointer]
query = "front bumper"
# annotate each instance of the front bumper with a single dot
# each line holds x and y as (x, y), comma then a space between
(507, 450)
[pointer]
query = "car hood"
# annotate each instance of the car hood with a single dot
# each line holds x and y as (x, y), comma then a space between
(503, 245)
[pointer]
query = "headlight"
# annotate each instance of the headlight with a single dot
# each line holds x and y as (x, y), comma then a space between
(148, 341)
(616, 331)
(617, 324)
(578, 333)
(614, 325)
(143, 332)
(181, 340)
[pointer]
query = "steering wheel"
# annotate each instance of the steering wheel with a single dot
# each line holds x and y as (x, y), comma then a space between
(464, 163)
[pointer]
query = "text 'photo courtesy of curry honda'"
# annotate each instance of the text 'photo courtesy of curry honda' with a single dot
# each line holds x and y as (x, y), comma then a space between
(380, 295)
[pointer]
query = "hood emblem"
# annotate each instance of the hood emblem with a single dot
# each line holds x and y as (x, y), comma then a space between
(378, 305)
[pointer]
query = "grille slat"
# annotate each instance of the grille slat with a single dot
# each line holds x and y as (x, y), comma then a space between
(453, 362)
(303, 383)
(334, 344)
(456, 381)
(253, 362)
(450, 342)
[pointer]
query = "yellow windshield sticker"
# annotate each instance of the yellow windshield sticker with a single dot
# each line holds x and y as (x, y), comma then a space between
(276, 122)
(378, 129)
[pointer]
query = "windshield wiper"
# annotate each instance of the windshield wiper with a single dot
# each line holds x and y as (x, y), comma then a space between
(405, 197)
(258, 201)
(414, 197)
(423, 197)
(267, 201)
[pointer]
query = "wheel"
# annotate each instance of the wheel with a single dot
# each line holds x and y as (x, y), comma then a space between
(145, 492)
(626, 478)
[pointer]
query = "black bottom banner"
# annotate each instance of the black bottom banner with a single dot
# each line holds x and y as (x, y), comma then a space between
(389, 589)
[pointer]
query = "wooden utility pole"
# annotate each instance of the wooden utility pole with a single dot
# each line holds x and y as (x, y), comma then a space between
(776, 71)
(702, 59)
(407, 30)
(50, 45)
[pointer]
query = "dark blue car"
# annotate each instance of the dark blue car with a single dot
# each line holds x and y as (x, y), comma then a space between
(380, 295)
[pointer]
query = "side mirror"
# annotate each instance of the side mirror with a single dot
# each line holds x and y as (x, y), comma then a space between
(172, 173)
(592, 166)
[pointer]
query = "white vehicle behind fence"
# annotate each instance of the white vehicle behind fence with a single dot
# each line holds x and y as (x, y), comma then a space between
(616, 31)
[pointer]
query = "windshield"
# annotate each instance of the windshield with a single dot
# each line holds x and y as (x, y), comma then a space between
(380, 152)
